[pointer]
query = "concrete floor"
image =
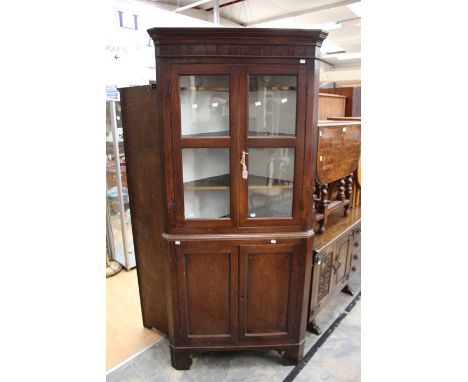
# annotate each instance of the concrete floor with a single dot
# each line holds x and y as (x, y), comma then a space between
(336, 355)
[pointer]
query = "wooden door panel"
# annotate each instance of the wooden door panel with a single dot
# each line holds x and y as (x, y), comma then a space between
(322, 279)
(267, 300)
(339, 263)
(207, 278)
(268, 291)
(325, 276)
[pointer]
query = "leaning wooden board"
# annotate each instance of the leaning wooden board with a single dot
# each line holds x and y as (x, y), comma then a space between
(339, 149)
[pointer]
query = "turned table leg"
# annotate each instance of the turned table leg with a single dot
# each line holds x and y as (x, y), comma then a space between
(323, 207)
(341, 190)
(348, 193)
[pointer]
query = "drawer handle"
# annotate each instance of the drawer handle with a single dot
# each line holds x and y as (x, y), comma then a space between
(355, 257)
(356, 244)
(273, 241)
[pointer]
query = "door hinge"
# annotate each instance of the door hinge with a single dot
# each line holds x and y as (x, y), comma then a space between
(302, 205)
(174, 207)
(169, 88)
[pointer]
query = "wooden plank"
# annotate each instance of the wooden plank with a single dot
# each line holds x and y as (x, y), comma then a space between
(143, 145)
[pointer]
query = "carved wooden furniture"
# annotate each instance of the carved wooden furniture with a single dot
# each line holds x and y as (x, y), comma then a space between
(337, 253)
(353, 99)
(221, 168)
(338, 153)
(331, 105)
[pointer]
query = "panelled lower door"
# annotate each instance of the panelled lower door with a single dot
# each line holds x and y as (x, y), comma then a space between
(207, 290)
(342, 260)
(322, 278)
(268, 283)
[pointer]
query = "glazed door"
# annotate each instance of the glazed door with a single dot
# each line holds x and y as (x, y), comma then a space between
(268, 282)
(272, 127)
(238, 144)
(204, 101)
(207, 279)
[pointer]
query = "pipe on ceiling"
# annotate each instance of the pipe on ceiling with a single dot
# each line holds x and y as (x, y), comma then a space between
(226, 4)
(216, 12)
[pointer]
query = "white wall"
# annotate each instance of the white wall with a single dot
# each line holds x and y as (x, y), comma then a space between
(135, 62)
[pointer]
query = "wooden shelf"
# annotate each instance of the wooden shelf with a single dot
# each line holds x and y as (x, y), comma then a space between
(336, 226)
(222, 182)
(224, 133)
(273, 88)
(267, 134)
(203, 89)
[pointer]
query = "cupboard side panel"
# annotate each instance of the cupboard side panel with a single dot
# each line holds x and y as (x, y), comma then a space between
(143, 152)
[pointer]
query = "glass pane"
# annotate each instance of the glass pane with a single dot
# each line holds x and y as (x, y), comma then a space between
(204, 105)
(272, 105)
(271, 179)
(206, 179)
(116, 220)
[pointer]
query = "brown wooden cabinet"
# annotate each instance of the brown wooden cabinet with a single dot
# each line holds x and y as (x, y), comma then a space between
(336, 252)
(221, 159)
(353, 100)
(331, 105)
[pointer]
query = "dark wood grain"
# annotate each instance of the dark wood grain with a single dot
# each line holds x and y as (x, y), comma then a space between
(208, 302)
(336, 252)
(338, 150)
(143, 152)
(233, 283)
(244, 42)
(268, 309)
(337, 225)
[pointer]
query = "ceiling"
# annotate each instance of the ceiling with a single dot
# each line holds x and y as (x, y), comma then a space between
(342, 47)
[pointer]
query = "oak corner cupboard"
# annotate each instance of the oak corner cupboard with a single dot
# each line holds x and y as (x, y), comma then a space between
(221, 158)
